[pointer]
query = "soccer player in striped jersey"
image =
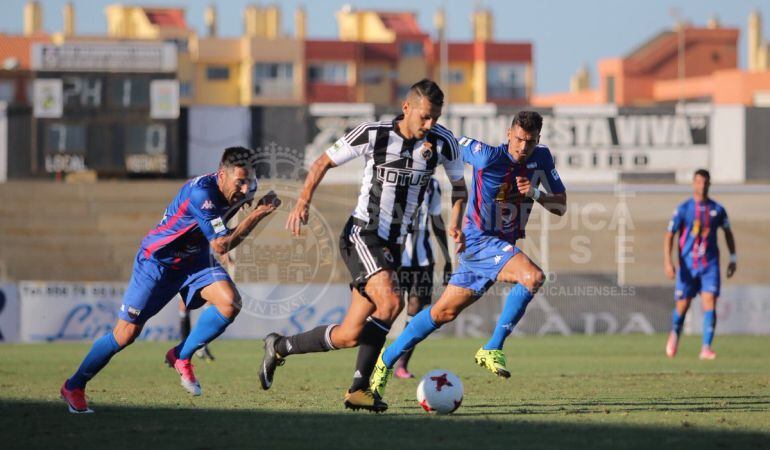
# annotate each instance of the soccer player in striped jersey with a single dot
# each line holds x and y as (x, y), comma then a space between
(697, 221)
(175, 258)
(417, 261)
(505, 188)
(400, 157)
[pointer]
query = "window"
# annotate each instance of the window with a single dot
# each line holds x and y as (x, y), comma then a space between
(217, 73)
(7, 91)
(372, 76)
(610, 89)
(506, 81)
(411, 49)
(274, 79)
(185, 89)
(330, 73)
(456, 77)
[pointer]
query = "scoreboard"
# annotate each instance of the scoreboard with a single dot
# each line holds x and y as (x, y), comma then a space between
(108, 107)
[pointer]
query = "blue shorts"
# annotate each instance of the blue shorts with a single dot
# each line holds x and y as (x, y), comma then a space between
(153, 285)
(689, 281)
(480, 263)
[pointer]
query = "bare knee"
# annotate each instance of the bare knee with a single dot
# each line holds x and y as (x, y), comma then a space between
(230, 305)
(533, 279)
(443, 315)
(125, 333)
(389, 308)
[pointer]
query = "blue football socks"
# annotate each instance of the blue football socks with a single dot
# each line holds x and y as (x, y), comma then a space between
(420, 327)
(515, 304)
(210, 324)
(100, 354)
(677, 322)
(709, 323)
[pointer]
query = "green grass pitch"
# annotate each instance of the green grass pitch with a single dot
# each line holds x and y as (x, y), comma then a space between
(565, 393)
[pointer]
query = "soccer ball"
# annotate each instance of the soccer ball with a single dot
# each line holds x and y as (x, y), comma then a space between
(440, 391)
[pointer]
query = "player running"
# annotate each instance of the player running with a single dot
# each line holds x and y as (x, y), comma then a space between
(415, 275)
(400, 156)
(174, 258)
(697, 220)
(505, 187)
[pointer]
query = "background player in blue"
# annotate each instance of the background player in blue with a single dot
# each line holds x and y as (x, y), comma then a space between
(503, 192)
(696, 221)
(415, 276)
(174, 258)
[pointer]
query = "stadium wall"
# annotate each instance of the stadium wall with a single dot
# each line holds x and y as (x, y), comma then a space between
(575, 304)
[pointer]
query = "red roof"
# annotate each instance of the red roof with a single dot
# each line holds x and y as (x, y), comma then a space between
(401, 23)
(166, 17)
(19, 47)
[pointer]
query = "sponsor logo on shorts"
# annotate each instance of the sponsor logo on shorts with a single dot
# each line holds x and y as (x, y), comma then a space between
(208, 204)
(132, 312)
(497, 259)
(477, 147)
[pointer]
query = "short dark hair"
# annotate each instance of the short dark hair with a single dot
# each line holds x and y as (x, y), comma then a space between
(237, 157)
(428, 89)
(529, 121)
(702, 172)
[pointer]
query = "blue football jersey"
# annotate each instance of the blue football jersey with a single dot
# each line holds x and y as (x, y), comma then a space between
(193, 218)
(495, 207)
(697, 224)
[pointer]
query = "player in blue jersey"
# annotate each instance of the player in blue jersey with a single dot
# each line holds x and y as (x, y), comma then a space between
(175, 257)
(696, 221)
(505, 187)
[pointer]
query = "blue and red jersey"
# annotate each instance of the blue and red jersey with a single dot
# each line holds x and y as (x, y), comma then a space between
(496, 208)
(697, 223)
(193, 218)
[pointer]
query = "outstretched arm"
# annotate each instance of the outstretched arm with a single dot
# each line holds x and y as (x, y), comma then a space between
(266, 205)
(299, 214)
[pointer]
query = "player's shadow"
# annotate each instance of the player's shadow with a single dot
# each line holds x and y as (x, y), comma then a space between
(680, 404)
(47, 425)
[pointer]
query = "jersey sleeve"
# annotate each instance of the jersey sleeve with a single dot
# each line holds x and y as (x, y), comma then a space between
(476, 153)
(350, 146)
(724, 222)
(676, 220)
(204, 206)
(434, 202)
(449, 153)
(551, 181)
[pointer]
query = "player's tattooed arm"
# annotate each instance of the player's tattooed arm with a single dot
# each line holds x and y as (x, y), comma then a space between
(668, 265)
(455, 229)
(299, 215)
(733, 265)
(266, 205)
(555, 203)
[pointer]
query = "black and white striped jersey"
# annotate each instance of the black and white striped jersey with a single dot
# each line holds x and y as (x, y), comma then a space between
(396, 172)
(417, 250)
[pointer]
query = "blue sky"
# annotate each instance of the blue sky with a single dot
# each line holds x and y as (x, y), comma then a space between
(565, 33)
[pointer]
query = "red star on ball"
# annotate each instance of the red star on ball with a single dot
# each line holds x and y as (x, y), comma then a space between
(441, 381)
